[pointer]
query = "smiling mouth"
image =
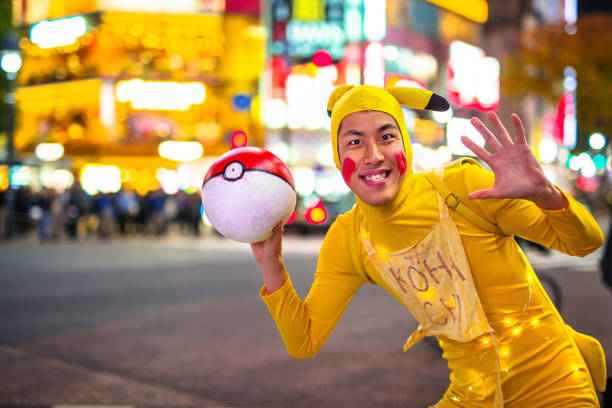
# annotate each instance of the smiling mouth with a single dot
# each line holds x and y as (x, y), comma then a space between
(376, 177)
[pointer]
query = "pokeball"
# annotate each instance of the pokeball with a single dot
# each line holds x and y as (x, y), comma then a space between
(246, 192)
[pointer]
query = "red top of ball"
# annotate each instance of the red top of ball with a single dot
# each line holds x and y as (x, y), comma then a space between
(233, 164)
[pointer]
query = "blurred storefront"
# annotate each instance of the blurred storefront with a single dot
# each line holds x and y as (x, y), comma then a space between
(145, 93)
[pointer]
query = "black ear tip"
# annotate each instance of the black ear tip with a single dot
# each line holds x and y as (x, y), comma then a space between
(329, 113)
(437, 103)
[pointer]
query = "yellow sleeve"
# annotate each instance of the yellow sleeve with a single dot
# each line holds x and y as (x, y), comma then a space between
(572, 230)
(305, 325)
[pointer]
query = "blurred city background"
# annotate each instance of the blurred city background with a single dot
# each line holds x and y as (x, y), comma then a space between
(116, 290)
(112, 111)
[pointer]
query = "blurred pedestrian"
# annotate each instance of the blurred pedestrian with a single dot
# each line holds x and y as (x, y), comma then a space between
(46, 224)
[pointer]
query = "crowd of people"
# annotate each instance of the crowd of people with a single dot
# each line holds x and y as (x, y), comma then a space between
(73, 214)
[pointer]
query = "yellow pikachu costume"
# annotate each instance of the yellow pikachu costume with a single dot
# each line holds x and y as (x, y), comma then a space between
(504, 341)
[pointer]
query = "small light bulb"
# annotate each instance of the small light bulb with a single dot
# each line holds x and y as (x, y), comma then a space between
(516, 331)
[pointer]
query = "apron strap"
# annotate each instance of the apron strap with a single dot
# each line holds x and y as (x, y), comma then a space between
(452, 201)
(442, 207)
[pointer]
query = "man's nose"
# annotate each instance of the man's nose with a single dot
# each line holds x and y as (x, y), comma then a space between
(373, 153)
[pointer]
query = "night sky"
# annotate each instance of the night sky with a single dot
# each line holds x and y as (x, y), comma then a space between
(590, 6)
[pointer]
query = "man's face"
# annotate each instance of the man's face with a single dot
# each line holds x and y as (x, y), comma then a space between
(372, 156)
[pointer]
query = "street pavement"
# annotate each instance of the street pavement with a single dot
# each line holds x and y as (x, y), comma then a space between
(178, 322)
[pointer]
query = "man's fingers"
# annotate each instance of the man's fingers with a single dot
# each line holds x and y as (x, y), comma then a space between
(486, 134)
(478, 151)
(502, 133)
(488, 193)
(519, 130)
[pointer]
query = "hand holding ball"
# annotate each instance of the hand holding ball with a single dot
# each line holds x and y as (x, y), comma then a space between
(246, 192)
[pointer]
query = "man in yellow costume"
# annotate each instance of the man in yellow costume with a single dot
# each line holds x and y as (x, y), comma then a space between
(460, 273)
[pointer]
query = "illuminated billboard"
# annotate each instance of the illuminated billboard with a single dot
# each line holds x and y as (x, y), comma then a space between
(473, 78)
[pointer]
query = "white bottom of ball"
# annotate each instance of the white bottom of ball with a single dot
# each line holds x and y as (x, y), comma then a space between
(247, 210)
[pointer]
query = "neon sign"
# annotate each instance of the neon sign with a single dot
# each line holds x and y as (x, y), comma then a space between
(300, 28)
(473, 78)
(160, 95)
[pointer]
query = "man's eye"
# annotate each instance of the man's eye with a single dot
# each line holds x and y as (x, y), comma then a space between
(387, 136)
(354, 142)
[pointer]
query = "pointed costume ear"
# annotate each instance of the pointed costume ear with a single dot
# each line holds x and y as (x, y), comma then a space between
(417, 98)
(335, 95)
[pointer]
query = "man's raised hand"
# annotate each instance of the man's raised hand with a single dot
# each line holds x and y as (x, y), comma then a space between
(517, 172)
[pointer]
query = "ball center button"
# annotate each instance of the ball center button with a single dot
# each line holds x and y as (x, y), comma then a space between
(233, 171)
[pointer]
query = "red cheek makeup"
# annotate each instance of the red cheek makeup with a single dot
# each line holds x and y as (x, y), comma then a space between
(348, 167)
(402, 164)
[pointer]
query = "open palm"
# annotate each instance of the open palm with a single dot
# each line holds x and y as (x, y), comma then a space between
(517, 172)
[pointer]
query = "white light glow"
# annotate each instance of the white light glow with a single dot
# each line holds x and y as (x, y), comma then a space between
(458, 127)
(597, 141)
(325, 155)
(547, 150)
(280, 150)
(97, 178)
(442, 117)
(587, 165)
(21, 176)
(157, 6)
(304, 178)
(550, 174)
(107, 104)
(11, 61)
(374, 69)
(275, 113)
(180, 151)
(49, 151)
(474, 81)
(575, 163)
(57, 179)
(375, 19)
(169, 180)
(571, 11)
(570, 84)
(352, 21)
(56, 33)
(160, 95)
(305, 95)
(426, 158)
(353, 74)
(391, 52)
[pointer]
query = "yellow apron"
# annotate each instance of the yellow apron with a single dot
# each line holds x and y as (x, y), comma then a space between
(433, 280)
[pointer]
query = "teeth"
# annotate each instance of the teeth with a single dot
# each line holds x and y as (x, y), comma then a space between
(376, 177)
